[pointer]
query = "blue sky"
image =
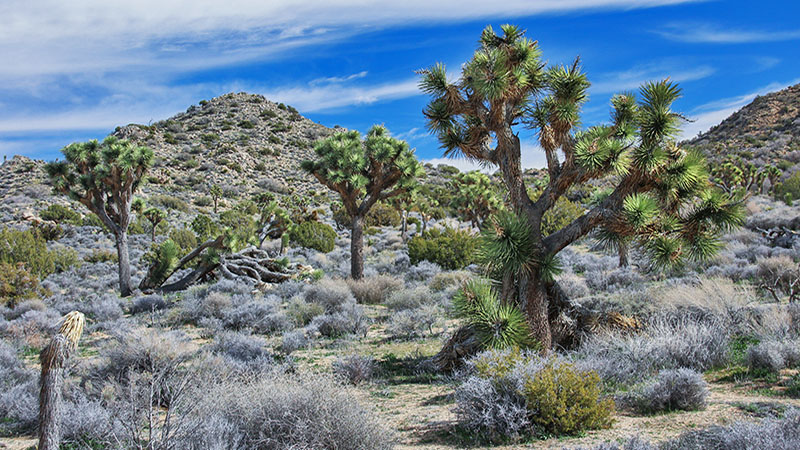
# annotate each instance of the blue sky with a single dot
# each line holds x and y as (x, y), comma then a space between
(75, 70)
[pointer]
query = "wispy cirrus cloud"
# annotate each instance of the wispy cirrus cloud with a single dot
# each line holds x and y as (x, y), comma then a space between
(531, 154)
(714, 34)
(631, 79)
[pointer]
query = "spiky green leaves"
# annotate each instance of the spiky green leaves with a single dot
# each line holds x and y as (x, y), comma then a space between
(497, 325)
(507, 246)
(476, 197)
(358, 168)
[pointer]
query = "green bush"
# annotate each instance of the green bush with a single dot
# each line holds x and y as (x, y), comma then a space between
(560, 215)
(451, 249)
(101, 256)
(16, 284)
(204, 227)
(203, 201)
(29, 248)
(565, 400)
(64, 258)
(61, 214)
(169, 202)
(184, 238)
(90, 220)
(382, 215)
(316, 235)
(789, 186)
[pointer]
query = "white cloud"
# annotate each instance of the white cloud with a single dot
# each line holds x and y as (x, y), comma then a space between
(633, 78)
(318, 98)
(532, 157)
(706, 116)
(712, 34)
(330, 80)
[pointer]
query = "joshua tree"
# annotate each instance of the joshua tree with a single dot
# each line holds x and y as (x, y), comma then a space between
(216, 192)
(155, 216)
(51, 383)
(662, 196)
(404, 203)
(363, 172)
(425, 206)
(475, 198)
(103, 177)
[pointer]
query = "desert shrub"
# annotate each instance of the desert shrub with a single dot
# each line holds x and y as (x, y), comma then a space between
(100, 255)
(560, 215)
(292, 341)
(203, 201)
(349, 319)
(317, 235)
(409, 298)
(531, 396)
(18, 393)
(451, 249)
(16, 284)
(204, 227)
(412, 323)
(184, 238)
(64, 258)
(665, 343)
(246, 351)
(771, 356)
(672, 390)
(27, 247)
(422, 271)
(61, 214)
(789, 186)
(565, 400)
(169, 202)
(302, 312)
(330, 294)
(382, 215)
(283, 412)
(772, 433)
(445, 280)
(148, 303)
(374, 289)
(107, 308)
(778, 272)
(354, 368)
(261, 316)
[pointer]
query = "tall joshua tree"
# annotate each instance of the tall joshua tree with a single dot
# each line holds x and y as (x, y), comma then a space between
(363, 172)
(662, 196)
(155, 216)
(103, 177)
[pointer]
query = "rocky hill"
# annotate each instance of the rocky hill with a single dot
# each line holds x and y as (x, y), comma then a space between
(766, 131)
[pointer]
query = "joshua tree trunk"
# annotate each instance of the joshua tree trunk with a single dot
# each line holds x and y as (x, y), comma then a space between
(124, 264)
(357, 248)
(622, 249)
(404, 227)
(52, 359)
(537, 303)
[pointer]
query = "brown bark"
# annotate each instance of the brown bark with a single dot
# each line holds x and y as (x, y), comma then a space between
(357, 248)
(50, 385)
(622, 250)
(537, 305)
(124, 264)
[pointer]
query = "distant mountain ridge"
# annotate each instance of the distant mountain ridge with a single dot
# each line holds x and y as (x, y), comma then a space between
(765, 131)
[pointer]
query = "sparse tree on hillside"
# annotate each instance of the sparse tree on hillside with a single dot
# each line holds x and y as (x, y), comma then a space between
(155, 216)
(425, 206)
(363, 172)
(662, 195)
(216, 192)
(103, 177)
(475, 198)
(404, 202)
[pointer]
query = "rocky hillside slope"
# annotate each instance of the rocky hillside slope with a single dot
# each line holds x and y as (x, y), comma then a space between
(766, 131)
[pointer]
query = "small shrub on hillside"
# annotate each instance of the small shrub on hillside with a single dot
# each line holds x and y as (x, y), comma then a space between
(29, 248)
(413, 323)
(204, 227)
(451, 249)
(99, 255)
(382, 215)
(672, 390)
(61, 214)
(184, 238)
(445, 280)
(317, 235)
(409, 298)
(375, 289)
(148, 303)
(354, 368)
(16, 284)
(767, 355)
(778, 433)
(790, 186)
(169, 202)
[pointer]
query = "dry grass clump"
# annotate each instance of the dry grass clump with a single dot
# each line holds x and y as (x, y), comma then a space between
(375, 289)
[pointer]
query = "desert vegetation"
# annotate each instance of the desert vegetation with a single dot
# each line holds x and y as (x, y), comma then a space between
(630, 295)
